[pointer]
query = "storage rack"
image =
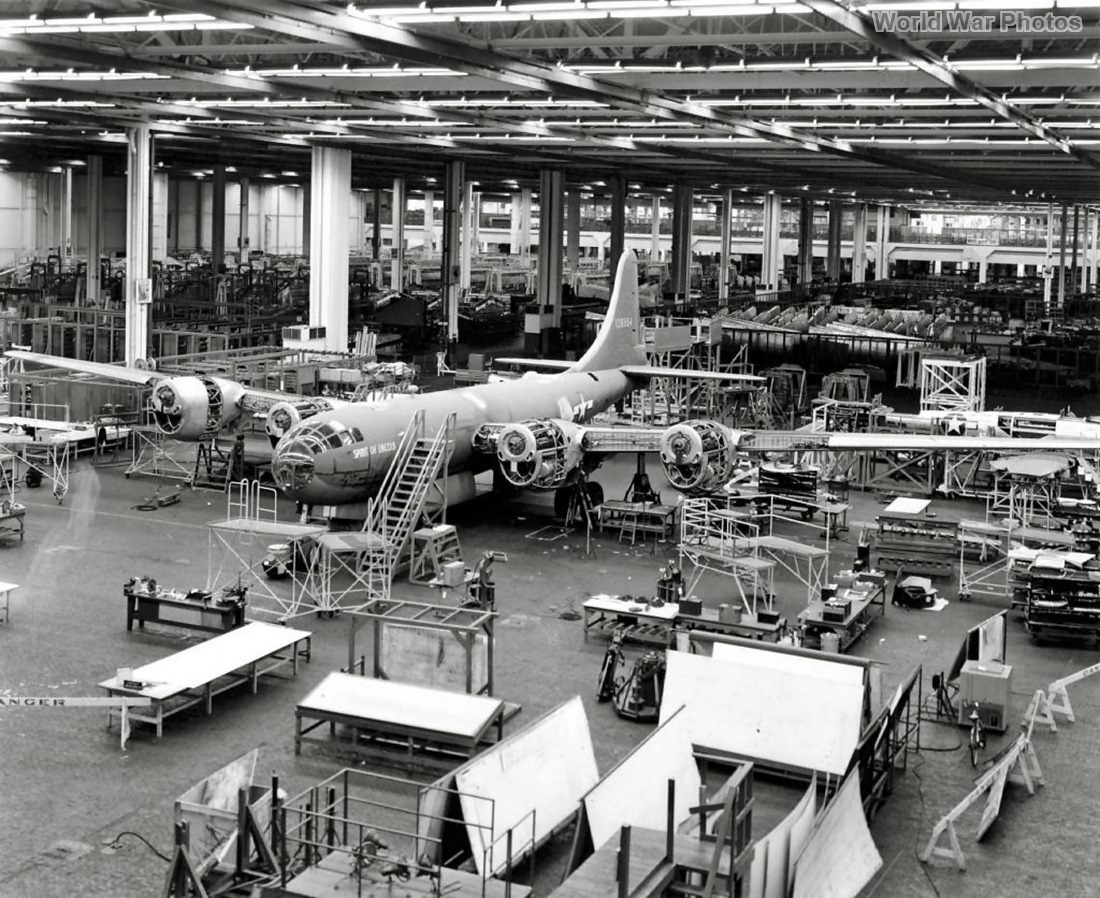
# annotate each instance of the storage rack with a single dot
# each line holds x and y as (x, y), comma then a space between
(916, 544)
(1066, 602)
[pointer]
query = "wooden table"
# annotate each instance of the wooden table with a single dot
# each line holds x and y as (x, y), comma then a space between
(385, 713)
(6, 589)
(635, 618)
(195, 675)
(859, 618)
(635, 517)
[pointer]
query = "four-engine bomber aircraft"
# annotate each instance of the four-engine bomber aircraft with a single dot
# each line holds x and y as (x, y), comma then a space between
(535, 427)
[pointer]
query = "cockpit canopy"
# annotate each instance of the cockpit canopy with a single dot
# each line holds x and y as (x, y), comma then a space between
(324, 436)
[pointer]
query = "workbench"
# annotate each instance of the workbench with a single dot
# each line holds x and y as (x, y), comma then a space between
(195, 675)
(634, 617)
(863, 598)
(176, 610)
(6, 589)
(637, 517)
(383, 714)
(748, 627)
(11, 519)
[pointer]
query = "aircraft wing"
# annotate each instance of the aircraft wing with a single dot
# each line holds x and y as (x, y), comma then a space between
(790, 441)
(556, 364)
(254, 401)
(141, 376)
(689, 374)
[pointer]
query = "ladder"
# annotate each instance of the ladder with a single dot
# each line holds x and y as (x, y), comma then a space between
(397, 509)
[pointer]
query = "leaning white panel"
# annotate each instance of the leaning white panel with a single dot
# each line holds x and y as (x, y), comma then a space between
(763, 713)
(840, 857)
(835, 671)
(545, 770)
(635, 792)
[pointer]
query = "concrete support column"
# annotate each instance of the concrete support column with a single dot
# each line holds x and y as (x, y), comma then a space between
(937, 267)
(429, 222)
(655, 230)
(805, 241)
(771, 263)
(198, 216)
(542, 329)
(474, 229)
(548, 287)
(1076, 237)
(617, 187)
(1048, 262)
(263, 199)
(515, 216)
(307, 217)
(65, 238)
(92, 286)
(832, 252)
(376, 225)
(1062, 258)
(161, 221)
(244, 217)
(174, 215)
(1021, 269)
(682, 201)
(525, 214)
(330, 206)
(726, 230)
(573, 229)
(882, 243)
(138, 288)
(217, 220)
(471, 210)
(453, 261)
(983, 271)
(397, 229)
(859, 245)
(1092, 227)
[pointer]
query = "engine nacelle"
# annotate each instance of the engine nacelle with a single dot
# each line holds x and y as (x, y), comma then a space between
(538, 454)
(284, 415)
(698, 456)
(195, 408)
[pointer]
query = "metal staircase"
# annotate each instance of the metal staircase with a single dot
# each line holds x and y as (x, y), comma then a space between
(396, 510)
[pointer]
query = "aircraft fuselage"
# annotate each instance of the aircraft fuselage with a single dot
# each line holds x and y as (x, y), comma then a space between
(342, 456)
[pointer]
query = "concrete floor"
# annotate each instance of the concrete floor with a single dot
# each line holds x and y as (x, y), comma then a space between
(66, 788)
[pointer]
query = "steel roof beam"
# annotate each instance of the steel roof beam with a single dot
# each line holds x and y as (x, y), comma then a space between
(902, 49)
(303, 21)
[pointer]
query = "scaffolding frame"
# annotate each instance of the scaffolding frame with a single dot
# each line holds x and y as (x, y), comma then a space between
(1029, 501)
(465, 624)
(951, 383)
(252, 514)
(716, 536)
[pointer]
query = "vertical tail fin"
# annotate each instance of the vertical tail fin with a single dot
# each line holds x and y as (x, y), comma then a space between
(619, 340)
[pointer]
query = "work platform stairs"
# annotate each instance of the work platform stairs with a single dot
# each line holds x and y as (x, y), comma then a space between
(395, 512)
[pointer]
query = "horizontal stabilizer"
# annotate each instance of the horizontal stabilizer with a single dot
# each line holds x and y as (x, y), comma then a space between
(140, 376)
(556, 364)
(689, 373)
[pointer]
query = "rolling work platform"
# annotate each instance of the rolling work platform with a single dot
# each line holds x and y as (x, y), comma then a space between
(714, 536)
(358, 567)
(244, 543)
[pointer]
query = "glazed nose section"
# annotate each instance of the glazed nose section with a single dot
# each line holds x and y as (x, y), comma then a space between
(292, 466)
